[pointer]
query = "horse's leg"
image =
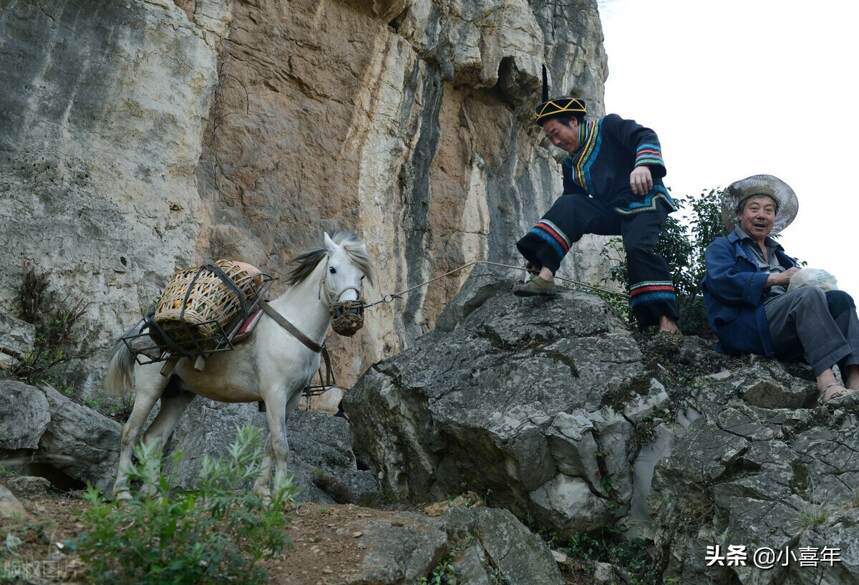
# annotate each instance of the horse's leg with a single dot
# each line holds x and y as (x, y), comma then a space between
(174, 401)
(275, 410)
(264, 479)
(147, 391)
(261, 485)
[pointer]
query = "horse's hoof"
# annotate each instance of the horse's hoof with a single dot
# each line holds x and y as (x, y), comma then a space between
(122, 496)
(264, 494)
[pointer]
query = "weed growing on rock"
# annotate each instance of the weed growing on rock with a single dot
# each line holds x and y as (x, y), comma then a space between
(442, 574)
(214, 534)
(813, 515)
(57, 341)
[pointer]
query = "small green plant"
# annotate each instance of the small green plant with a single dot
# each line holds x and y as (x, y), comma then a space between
(813, 515)
(213, 534)
(442, 574)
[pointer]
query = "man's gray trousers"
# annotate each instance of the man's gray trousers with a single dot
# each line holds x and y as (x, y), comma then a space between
(822, 327)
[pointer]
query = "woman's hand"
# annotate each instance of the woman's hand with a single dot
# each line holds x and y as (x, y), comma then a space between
(641, 181)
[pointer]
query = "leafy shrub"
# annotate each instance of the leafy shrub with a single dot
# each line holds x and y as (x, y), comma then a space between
(213, 534)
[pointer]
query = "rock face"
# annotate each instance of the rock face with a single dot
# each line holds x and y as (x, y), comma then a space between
(139, 137)
(99, 143)
(534, 401)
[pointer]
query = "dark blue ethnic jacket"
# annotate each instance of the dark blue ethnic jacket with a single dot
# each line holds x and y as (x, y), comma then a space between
(734, 294)
(610, 148)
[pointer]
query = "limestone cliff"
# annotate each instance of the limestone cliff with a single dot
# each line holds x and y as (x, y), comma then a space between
(138, 137)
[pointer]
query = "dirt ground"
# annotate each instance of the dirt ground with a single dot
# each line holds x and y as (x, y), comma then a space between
(326, 543)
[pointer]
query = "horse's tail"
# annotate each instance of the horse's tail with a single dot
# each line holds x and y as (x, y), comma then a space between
(119, 378)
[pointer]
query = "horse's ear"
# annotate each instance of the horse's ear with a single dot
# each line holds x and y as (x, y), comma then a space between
(329, 243)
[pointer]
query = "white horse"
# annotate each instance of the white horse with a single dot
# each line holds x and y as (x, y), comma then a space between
(272, 366)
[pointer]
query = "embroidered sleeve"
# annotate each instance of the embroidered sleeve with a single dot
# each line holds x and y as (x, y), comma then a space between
(641, 142)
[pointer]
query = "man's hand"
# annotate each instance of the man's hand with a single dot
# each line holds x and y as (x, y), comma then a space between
(641, 181)
(781, 278)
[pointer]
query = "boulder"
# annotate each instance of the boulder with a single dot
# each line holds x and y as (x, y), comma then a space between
(762, 474)
(10, 507)
(321, 457)
(28, 485)
(79, 441)
(24, 415)
(535, 401)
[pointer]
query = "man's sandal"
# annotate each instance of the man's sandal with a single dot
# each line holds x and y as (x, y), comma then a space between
(536, 287)
(832, 392)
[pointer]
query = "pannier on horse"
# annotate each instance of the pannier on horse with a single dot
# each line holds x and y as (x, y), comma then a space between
(273, 365)
(201, 311)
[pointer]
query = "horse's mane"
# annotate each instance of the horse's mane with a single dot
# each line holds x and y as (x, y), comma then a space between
(304, 264)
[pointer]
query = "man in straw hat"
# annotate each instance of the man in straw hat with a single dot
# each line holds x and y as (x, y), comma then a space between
(612, 186)
(746, 290)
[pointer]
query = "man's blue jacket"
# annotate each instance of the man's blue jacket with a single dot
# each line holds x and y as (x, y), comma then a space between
(734, 293)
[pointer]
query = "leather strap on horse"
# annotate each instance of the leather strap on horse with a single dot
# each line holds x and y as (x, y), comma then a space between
(281, 320)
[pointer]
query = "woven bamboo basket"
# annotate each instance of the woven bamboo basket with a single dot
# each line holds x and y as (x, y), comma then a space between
(212, 307)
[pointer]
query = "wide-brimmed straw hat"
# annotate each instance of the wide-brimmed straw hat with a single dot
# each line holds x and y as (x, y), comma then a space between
(778, 190)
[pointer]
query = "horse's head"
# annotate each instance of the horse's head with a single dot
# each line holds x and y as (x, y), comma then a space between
(347, 264)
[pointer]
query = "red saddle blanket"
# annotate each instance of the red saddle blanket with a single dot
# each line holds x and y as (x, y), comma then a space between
(247, 327)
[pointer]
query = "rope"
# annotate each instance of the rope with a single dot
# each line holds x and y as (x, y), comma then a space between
(398, 295)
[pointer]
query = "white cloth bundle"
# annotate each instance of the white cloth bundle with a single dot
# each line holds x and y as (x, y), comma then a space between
(813, 277)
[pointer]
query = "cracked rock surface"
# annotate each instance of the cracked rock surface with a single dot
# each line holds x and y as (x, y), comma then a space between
(555, 411)
(513, 403)
(783, 478)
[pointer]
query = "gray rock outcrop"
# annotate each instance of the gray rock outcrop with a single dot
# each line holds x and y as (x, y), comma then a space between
(38, 425)
(534, 401)
(553, 410)
(24, 415)
(778, 477)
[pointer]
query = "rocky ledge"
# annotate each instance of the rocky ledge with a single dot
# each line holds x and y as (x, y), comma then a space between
(553, 409)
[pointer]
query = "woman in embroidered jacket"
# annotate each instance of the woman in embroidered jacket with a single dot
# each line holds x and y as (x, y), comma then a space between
(612, 186)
